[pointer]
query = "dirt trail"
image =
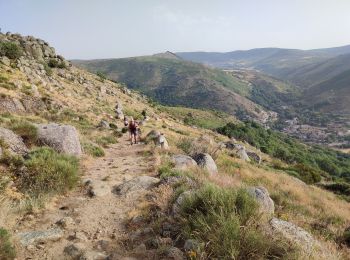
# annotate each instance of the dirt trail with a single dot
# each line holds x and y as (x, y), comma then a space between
(98, 221)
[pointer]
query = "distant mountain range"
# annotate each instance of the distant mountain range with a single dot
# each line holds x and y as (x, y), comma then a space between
(322, 74)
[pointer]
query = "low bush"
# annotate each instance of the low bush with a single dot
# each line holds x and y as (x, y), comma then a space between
(10, 49)
(93, 150)
(26, 130)
(53, 63)
(226, 223)
(7, 251)
(48, 172)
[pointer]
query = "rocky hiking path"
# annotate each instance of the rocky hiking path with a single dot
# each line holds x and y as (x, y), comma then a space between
(89, 222)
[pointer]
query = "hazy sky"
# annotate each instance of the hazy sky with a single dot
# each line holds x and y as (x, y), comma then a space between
(121, 28)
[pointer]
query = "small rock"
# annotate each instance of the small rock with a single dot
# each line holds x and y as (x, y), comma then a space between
(191, 245)
(174, 253)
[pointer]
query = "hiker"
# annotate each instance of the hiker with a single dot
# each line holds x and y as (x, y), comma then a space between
(133, 130)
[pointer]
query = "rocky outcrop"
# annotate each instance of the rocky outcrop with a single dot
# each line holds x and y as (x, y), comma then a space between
(183, 162)
(266, 204)
(62, 138)
(12, 142)
(206, 162)
(295, 235)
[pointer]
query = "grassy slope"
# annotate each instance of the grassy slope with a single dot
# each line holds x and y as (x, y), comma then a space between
(306, 206)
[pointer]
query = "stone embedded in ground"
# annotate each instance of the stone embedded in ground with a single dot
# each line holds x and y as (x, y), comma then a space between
(295, 235)
(62, 138)
(98, 188)
(205, 161)
(183, 162)
(137, 184)
(13, 143)
(266, 204)
(31, 237)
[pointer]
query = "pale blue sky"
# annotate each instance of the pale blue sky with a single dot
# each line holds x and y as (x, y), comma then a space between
(121, 28)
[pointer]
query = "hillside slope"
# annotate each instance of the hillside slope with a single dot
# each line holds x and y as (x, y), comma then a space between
(123, 200)
(177, 82)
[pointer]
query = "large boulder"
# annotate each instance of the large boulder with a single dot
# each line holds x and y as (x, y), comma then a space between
(206, 162)
(266, 204)
(12, 142)
(152, 136)
(183, 162)
(62, 138)
(295, 235)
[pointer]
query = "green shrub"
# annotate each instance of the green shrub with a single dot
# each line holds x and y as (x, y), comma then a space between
(48, 172)
(226, 222)
(7, 251)
(10, 49)
(53, 63)
(27, 131)
(125, 130)
(93, 150)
